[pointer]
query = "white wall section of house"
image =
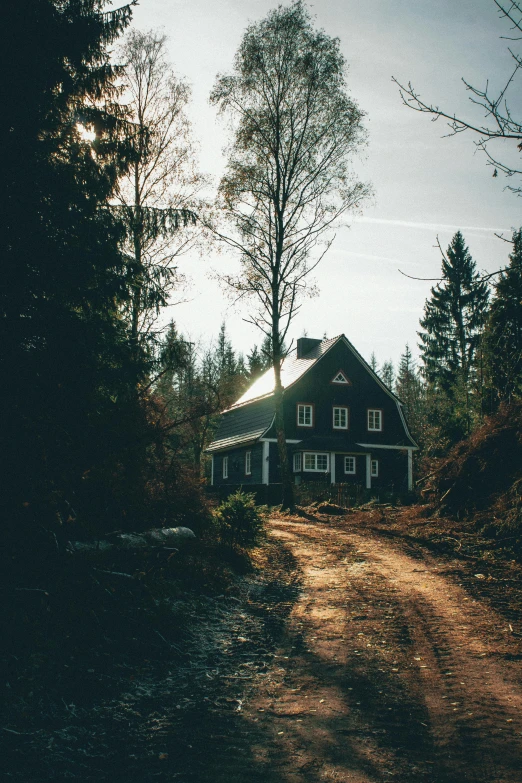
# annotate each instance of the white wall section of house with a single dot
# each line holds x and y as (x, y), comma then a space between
(368, 471)
(265, 465)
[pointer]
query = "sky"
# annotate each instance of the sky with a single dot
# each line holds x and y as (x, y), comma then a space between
(425, 186)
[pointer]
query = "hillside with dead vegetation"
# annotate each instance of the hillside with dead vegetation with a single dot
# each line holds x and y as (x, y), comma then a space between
(481, 477)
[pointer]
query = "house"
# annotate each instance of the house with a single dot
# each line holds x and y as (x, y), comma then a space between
(342, 424)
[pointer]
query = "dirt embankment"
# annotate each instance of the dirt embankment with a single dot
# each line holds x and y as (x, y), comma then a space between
(352, 653)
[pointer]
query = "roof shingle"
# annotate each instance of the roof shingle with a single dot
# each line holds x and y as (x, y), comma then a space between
(240, 425)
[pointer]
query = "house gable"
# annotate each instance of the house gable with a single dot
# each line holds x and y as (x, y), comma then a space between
(334, 406)
(366, 392)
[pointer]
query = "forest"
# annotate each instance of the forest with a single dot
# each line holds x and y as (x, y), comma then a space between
(107, 412)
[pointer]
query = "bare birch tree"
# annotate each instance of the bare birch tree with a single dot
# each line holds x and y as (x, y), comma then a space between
(288, 180)
(162, 193)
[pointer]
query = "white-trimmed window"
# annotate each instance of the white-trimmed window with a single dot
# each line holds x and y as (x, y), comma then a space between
(248, 463)
(340, 418)
(298, 461)
(374, 468)
(317, 463)
(349, 465)
(305, 415)
(374, 419)
(341, 378)
(225, 467)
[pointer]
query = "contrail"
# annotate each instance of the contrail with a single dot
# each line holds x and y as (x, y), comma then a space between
(429, 226)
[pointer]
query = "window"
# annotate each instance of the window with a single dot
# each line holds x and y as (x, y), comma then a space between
(340, 418)
(315, 462)
(341, 378)
(305, 415)
(298, 461)
(248, 463)
(374, 468)
(349, 465)
(374, 419)
(225, 467)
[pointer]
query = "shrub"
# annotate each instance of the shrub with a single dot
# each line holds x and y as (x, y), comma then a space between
(239, 521)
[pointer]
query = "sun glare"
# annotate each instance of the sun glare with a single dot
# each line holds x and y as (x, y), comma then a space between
(86, 133)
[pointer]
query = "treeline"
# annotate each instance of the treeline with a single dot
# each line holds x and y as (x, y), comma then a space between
(195, 382)
(104, 416)
(470, 342)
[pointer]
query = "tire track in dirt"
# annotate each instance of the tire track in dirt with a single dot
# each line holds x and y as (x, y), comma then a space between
(401, 666)
(339, 659)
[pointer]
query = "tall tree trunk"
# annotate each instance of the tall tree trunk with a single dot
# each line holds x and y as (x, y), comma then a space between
(288, 502)
(138, 272)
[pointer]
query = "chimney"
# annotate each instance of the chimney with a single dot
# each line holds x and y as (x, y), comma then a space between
(305, 345)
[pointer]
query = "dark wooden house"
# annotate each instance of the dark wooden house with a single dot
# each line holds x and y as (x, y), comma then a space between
(342, 423)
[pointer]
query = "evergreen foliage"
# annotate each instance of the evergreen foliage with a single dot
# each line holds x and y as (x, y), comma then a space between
(66, 406)
(239, 521)
(503, 337)
(453, 320)
(194, 385)
(409, 389)
(453, 324)
(260, 360)
(387, 373)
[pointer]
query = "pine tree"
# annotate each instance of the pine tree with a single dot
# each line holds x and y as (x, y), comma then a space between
(503, 337)
(256, 365)
(259, 360)
(409, 389)
(62, 345)
(388, 373)
(373, 363)
(453, 323)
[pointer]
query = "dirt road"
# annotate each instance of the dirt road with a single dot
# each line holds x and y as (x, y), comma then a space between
(393, 670)
(346, 656)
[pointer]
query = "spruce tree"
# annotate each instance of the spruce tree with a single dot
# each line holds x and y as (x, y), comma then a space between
(373, 363)
(453, 323)
(388, 373)
(63, 353)
(453, 320)
(503, 338)
(256, 365)
(409, 389)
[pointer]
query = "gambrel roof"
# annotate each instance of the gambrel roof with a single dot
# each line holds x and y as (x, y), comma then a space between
(252, 415)
(293, 369)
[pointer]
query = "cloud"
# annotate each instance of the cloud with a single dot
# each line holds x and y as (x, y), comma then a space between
(428, 226)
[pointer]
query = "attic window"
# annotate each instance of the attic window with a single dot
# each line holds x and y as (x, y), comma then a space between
(305, 415)
(341, 378)
(374, 419)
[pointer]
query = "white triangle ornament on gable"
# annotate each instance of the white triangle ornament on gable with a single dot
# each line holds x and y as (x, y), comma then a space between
(341, 378)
